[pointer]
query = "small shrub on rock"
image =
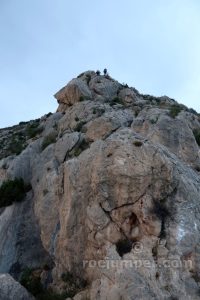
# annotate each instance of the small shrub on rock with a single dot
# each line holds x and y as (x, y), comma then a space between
(31, 282)
(33, 129)
(48, 140)
(175, 110)
(98, 110)
(196, 133)
(88, 78)
(79, 126)
(74, 284)
(116, 100)
(192, 111)
(76, 119)
(125, 85)
(83, 98)
(154, 120)
(76, 151)
(12, 191)
(16, 145)
(49, 114)
(138, 143)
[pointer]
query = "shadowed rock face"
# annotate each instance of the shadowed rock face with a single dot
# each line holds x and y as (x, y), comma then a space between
(115, 195)
(21, 246)
(11, 289)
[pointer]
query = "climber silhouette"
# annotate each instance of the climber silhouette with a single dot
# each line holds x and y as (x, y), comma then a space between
(105, 71)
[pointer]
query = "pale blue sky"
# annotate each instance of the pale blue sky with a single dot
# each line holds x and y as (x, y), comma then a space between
(151, 45)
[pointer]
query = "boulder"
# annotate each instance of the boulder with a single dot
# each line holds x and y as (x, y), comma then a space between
(76, 90)
(12, 290)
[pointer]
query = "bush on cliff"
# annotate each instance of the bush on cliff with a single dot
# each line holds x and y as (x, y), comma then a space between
(175, 110)
(196, 133)
(33, 130)
(16, 145)
(48, 140)
(31, 280)
(12, 191)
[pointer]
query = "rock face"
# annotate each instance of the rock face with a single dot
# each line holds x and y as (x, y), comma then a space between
(73, 92)
(114, 206)
(12, 290)
(20, 246)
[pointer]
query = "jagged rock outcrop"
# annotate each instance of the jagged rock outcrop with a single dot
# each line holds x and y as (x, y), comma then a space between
(114, 201)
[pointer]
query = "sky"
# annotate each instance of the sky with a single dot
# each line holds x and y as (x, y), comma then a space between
(153, 46)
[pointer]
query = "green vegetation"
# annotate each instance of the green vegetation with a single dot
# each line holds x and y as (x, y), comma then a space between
(16, 145)
(124, 246)
(116, 100)
(88, 78)
(195, 276)
(175, 110)
(48, 140)
(81, 98)
(74, 284)
(196, 133)
(80, 75)
(49, 114)
(45, 192)
(22, 123)
(94, 111)
(76, 119)
(150, 98)
(33, 129)
(197, 168)
(30, 282)
(138, 143)
(125, 85)
(154, 121)
(30, 279)
(50, 295)
(98, 111)
(79, 126)
(192, 111)
(136, 113)
(12, 191)
(15, 140)
(76, 151)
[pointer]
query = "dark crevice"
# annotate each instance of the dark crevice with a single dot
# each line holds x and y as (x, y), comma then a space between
(109, 216)
(66, 156)
(77, 149)
(110, 133)
(123, 247)
(128, 204)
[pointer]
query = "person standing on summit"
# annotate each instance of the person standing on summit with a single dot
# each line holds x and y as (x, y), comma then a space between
(105, 71)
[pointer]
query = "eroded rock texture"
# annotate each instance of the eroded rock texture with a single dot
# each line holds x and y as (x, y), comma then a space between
(115, 198)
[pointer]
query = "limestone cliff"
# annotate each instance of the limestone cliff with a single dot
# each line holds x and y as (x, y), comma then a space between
(113, 205)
